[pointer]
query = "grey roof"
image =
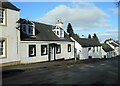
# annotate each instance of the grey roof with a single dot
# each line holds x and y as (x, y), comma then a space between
(115, 45)
(106, 47)
(44, 33)
(87, 42)
(9, 6)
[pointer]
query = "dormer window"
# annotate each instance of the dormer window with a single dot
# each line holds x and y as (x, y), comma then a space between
(28, 29)
(31, 30)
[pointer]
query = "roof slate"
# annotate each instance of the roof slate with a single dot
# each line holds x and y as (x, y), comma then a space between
(106, 47)
(87, 42)
(115, 45)
(44, 33)
(9, 5)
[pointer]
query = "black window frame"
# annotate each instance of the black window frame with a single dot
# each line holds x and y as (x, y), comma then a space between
(32, 46)
(69, 46)
(58, 46)
(42, 50)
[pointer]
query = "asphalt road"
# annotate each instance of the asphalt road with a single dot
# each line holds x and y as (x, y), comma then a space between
(99, 72)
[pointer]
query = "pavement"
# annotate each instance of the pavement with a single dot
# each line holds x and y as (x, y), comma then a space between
(22, 67)
(94, 71)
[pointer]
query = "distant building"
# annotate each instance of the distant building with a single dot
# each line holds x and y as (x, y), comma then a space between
(107, 51)
(114, 46)
(87, 48)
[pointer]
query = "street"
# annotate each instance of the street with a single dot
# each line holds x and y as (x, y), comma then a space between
(98, 72)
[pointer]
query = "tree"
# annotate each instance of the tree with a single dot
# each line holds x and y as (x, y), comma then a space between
(89, 36)
(69, 29)
(118, 3)
(95, 36)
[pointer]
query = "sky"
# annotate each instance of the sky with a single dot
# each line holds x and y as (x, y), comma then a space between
(86, 17)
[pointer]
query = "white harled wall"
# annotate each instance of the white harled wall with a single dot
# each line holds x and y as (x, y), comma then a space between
(10, 32)
(24, 52)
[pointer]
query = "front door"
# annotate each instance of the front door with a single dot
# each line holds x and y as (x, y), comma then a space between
(52, 49)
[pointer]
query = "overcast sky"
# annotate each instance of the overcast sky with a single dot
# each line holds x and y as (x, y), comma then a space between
(86, 17)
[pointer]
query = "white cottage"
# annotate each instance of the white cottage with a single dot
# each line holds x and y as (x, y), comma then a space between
(107, 51)
(9, 14)
(87, 48)
(114, 45)
(42, 42)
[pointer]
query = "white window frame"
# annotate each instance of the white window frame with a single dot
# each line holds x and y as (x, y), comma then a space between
(27, 29)
(4, 16)
(4, 55)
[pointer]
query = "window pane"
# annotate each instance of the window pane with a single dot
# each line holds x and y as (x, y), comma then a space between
(30, 30)
(43, 49)
(24, 28)
(1, 47)
(69, 47)
(1, 15)
(58, 49)
(32, 50)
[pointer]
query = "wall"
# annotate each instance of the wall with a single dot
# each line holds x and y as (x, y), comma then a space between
(38, 58)
(10, 32)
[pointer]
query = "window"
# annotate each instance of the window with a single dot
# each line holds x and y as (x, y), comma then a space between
(97, 48)
(58, 49)
(89, 49)
(43, 49)
(32, 50)
(24, 28)
(3, 48)
(2, 16)
(57, 32)
(28, 29)
(93, 49)
(69, 47)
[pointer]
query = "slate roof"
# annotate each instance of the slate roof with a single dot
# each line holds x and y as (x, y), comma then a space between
(9, 5)
(115, 45)
(106, 47)
(87, 42)
(44, 33)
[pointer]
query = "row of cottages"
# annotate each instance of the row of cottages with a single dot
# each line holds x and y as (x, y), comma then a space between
(87, 48)
(24, 41)
(107, 51)
(41, 42)
(114, 45)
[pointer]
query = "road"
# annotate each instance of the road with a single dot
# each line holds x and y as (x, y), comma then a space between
(101, 72)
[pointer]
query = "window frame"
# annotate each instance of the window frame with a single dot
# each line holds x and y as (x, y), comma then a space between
(34, 46)
(58, 46)
(4, 55)
(4, 21)
(69, 46)
(28, 29)
(45, 47)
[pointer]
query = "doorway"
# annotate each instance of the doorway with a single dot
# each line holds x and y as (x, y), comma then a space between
(52, 52)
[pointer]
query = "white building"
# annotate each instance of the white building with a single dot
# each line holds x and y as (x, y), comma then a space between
(87, 48)
(42, 42)
(114, 45)
(9, 14)
(24, 41)
(107, 51)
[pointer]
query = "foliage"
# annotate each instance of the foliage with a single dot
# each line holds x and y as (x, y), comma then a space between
(69, 29)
